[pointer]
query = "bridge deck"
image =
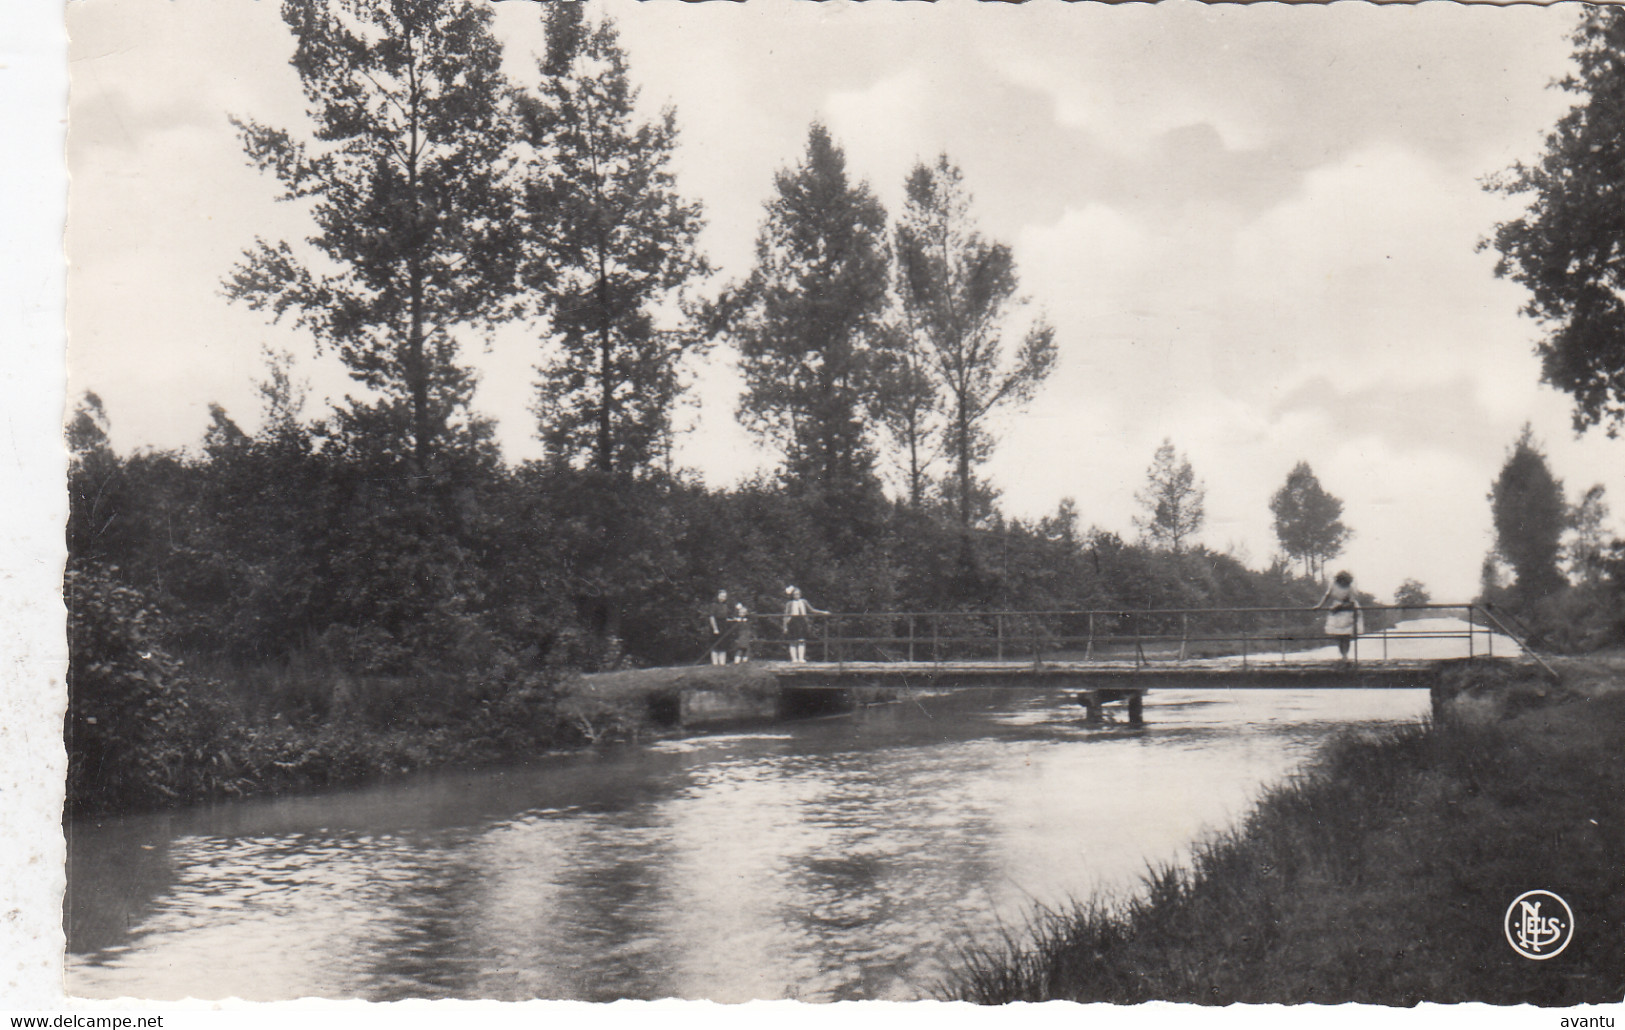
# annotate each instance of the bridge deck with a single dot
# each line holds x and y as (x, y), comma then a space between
(1114, 675)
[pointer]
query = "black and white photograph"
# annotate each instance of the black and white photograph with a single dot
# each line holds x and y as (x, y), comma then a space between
(815, 502)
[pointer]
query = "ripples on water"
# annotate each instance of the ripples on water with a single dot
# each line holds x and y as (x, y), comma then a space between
(844, 858)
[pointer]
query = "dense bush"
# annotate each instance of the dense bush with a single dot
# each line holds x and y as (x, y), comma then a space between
(130, 713)
(342, 613)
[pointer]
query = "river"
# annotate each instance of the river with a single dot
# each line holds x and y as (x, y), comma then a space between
(843, 858)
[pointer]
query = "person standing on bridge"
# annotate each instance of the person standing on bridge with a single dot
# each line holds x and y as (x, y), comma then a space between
(716, 619)
(795, 624)
(740, 623)
(1343, 612)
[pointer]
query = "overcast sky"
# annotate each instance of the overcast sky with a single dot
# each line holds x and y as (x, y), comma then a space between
(1253, 228)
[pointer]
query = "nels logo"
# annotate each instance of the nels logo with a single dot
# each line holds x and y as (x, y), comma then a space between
(1539, 925)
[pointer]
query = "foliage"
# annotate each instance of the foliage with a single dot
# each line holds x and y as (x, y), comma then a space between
(1529, 514)
(808, 326)
(127, 706)
(94, 481)
(1564, 249)
(402, 170)
(401, 648)
(958, 294)
(1411, 593)
(608, 240)
(1308, 520)
(1588, 544)
(908, 406)
(1172, 500)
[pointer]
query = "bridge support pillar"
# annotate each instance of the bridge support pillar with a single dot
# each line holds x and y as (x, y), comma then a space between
(1093, 715)
(1136, 708)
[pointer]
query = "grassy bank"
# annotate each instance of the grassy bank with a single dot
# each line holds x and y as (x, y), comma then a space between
(1380, 875)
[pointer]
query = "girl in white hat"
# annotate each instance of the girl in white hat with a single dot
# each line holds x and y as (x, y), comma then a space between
(796, 610)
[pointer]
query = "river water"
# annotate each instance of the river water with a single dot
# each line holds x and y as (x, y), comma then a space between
(841, 858)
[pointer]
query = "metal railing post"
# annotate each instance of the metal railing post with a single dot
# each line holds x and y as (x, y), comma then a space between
(998, 629)
(911, 637)
(1089, 648)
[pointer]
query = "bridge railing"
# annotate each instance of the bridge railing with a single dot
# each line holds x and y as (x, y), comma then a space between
(1142, 636)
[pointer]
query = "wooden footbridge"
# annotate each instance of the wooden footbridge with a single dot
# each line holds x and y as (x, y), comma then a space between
(1111, 656)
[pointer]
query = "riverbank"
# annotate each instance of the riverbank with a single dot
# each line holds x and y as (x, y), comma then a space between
(212, 732)
(1381, 875)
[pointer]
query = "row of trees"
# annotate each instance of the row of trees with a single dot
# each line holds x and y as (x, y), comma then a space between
(448, 201)
(390, 537)
(445, 200)
(283, 544)
(1308, 521)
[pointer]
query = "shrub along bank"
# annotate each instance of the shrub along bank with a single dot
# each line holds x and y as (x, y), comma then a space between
(1381, 875)
(146, 730)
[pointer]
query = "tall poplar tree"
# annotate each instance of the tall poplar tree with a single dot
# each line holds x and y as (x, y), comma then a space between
(609, 240)
(808, 324)
(401, 165)
(959, 295)
(1530, 515)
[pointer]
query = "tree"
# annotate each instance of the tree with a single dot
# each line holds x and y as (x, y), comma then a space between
(608, 240)
(1308, 520)
(1172, 500)
(959, 296)
(1526, 502)
(1588, 545)
(1411, 594)
(808, 327)
(1491, 580)
(908, 407)
(94, 475)
(1565, 248)
(402, 168)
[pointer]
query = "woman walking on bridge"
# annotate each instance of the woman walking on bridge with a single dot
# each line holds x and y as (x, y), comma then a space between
(795, 623)
(1343, 616)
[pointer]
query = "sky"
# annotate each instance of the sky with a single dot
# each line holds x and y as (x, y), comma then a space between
(1255, 230)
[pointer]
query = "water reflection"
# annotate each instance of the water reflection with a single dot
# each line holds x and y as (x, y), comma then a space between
(845, 858)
